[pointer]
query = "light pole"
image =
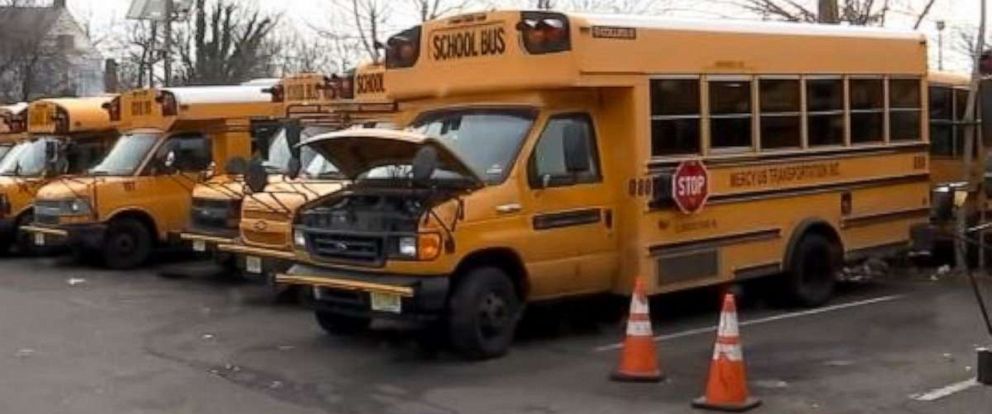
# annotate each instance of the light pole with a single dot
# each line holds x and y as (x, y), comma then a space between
(941, 25)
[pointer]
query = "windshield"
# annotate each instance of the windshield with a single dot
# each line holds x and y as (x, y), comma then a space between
(126, 155)
(487, 140)
(277, 159)
(27, 159)
(319, 167)
(4, 149)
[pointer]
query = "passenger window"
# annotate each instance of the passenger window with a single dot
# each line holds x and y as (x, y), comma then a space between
(566, 153)
(193, 152)
(781, 125)
(825, 111)
(675, 117)
(960, 107)
(941, 121)
(83, 154)
(867, 110)
(904, 109)
(730, 114)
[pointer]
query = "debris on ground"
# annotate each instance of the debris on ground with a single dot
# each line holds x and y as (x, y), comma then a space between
(24, 352)
(871, 269)
(285, 348)
(771, 384)
(73, 281)
(207, 337)
(941, 271)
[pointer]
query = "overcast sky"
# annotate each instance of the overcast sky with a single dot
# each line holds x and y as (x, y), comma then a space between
(107, 14)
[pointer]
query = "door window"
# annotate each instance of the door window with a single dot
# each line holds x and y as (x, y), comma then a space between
(192, 152)
(566, 153)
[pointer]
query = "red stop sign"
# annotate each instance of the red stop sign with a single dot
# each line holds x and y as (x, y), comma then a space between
(691, 186)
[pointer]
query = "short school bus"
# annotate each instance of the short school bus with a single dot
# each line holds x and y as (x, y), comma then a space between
(13, 126)
(557, 155)
(65, 137)
(139, 195)
(320, 104)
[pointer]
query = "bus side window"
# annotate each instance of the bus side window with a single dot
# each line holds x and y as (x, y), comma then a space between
(867, 110)
(825, 111)
(781, 113)
(675, 117)
(548, 166)
(730, 114)
(941, 121)
(904, 109)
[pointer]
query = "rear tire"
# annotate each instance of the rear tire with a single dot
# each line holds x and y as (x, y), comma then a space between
(813, 277)
(127, 245)
(483, 313)
(337, 324)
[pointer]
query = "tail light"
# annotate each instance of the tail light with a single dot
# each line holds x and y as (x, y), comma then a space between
(61, 120)
(403, 49)
(278, 93)
(544, 32)
(113, 109)
(169, 105)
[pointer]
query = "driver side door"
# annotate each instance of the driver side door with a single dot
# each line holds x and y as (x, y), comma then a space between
(172, 173)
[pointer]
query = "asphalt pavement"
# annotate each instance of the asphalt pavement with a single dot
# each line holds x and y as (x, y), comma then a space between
(77, 339)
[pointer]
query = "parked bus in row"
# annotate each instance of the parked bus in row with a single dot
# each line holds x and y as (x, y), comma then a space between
(65, 137)
(13, 126)
(139, 195)
(543, 162)
(318, 105)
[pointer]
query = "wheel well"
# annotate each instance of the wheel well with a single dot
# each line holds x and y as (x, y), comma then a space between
(141, 217)
(503, 258)
(818, 227)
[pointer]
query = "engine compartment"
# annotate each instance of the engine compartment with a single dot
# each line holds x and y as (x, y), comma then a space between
(378, 212)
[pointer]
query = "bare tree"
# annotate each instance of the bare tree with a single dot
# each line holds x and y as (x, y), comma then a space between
(854, 12)
(32, 63)
(226, 43)
(433, 9)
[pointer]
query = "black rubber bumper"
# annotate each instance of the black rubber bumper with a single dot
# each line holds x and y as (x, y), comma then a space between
(427, 302)
(8, 229)
(89, 236)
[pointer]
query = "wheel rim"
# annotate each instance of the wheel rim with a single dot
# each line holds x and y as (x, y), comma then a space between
(125, 244)
(494, 315)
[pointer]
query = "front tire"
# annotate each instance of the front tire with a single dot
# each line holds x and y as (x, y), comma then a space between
(813, 277)
(128, 244)
(483, 313)
(337, 324)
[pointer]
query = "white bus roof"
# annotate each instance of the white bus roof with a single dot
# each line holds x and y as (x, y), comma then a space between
(219, 94)
(14, 108)
(746, 26)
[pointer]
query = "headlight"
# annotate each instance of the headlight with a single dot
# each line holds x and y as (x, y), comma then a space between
(407, 247)
(78, 206)
(299, 238)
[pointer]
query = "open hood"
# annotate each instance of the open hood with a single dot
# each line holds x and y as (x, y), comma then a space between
(355, 151)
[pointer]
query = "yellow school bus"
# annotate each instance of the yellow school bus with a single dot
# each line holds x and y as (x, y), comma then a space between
(65, 137)
(139, 195)
(13, 126)
(320, 105)
(557, 155)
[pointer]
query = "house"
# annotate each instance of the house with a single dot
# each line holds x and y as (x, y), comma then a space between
(45, 52)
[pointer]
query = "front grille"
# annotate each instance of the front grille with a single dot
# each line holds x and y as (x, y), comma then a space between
(215, 217)
(344, 247)
(265, 238)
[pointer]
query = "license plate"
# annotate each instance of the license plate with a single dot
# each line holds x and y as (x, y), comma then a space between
(39, 239)
(199, 245)
(386, 302)
(253, 264)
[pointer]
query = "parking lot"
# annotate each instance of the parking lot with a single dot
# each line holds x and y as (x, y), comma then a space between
(91, 341)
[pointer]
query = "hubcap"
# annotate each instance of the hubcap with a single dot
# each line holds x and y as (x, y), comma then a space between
(493, 314)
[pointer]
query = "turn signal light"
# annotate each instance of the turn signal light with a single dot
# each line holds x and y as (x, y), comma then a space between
(428, 246)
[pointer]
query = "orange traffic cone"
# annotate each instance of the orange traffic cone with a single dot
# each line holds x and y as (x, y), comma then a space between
(639, 360)
(726, 389)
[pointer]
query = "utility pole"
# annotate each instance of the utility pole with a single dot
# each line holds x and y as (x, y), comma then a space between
(151, 55)
(970, 129)
(828, 12)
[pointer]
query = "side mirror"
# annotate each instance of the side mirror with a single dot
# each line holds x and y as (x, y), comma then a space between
(236, 166)
(576, 147)
(423, 166)
(169, 162)
(256, 176)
